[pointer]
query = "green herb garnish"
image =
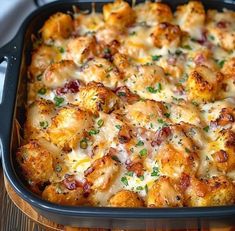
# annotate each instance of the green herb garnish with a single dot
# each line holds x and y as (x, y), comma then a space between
(100, 123)
(143, 152)
(156, 57)
(139, 188)
(155, 171)
(206, 129)
(93, 132)
(118, 126)
(83, 143)
(42, 91)
(140, 143)
(124, 180)
(43, 124)
(58, 101)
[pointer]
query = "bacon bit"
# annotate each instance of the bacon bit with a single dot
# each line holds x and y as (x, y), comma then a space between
(86, 189)
(112, 152)
(69, 182)
(137, 168)
(222, 24)
(70, 87)
(171, 60)
(224, 86)
(124, 135)
(200, 189)
(203, 40)
(221, 156)
(184, 181)
(225, 117)
(160, 136)
(231, 139)
(199, 59)
(88, 171)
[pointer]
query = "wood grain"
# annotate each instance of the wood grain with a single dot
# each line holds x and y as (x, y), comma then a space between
(11, 218)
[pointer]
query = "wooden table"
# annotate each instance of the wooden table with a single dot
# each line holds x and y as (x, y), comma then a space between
(11, 218)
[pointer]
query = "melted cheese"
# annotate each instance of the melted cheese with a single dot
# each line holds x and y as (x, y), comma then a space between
(157, 128)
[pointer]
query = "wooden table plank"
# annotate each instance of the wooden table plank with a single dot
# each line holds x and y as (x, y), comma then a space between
(11, 218)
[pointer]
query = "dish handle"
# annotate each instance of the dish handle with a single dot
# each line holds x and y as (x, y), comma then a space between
(8, 89)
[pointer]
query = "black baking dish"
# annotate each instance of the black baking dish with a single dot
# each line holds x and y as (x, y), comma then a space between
(17, 54)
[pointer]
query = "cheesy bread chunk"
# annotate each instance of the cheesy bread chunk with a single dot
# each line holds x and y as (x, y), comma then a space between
(125, 198)
(100, 70)
(95, 97)
(102, 172)
(166, 34)
(69, 126)
(191, 18)
(42, 57)
(82, 48)
(57, 74)
(118, 14)
(165, 193)
(36, 162)
(153, 13)
(58, 193)
(203, 84)
(58, 26)
(39, 116)
(221, 27)
(214, 191)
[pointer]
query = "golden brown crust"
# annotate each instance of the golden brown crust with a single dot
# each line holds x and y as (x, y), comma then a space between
(126, 198)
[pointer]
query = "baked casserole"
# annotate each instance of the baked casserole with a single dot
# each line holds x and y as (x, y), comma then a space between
(133, 107)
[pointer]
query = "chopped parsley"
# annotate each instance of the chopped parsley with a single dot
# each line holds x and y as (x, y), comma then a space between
(178, 52)
(43, 124)
(154, 90)
(156, 57)
(42, 91)
(39, 77)
(133, 33)
(58, 101)
(118, 126)
(221, 63)
(141, 177)
(143, 152)
(130, 173)
(167, 115)
(83, 143)
(140, 143)
(187, 150)
(206, 129)
(106, 50)
(160, 121)
(58, 168)
(139, 188)
(211, 37)
(100, 123)
(61, 49)
(116, 158)
(121, 93)
(155, 171)
(146, 188)
(124, 181)
(93, 132)
(187, 47)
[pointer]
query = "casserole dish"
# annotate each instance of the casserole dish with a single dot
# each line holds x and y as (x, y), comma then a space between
(16, 53)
